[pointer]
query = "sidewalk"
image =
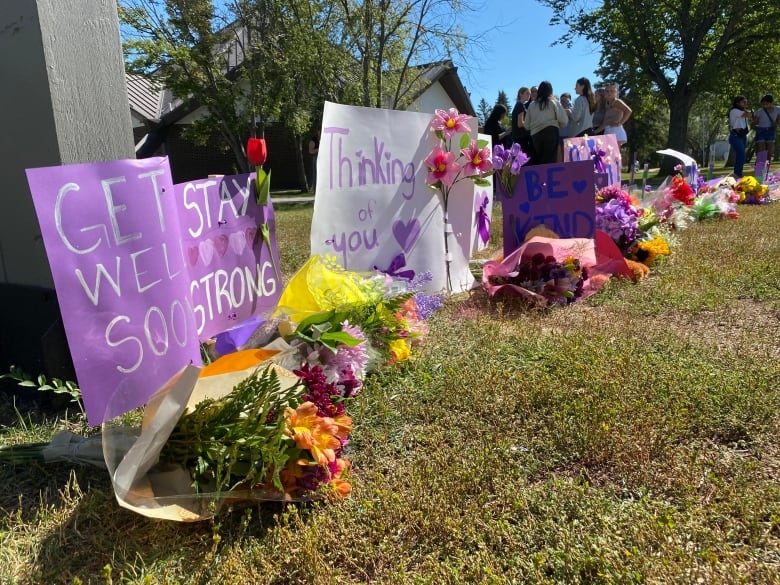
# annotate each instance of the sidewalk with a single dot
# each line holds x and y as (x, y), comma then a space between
(279, 199)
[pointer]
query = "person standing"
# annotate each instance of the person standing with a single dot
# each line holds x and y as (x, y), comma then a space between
(581, 118)
(520, 134)
(738, 131)
(532, 97)
(765, 120)
(493, 126)
(565, 132)
(616, 115)
(597, 122)
(544, 119)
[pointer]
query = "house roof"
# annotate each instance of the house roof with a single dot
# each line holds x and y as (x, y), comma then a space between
(446, 73)
(156, 104)
(145, 97)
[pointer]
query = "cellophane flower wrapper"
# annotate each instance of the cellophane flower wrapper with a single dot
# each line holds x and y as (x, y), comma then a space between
(715, 203)
(165, 491)
(600, 258)
(386, 315)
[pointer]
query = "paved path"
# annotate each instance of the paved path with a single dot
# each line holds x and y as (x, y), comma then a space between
(281, 199)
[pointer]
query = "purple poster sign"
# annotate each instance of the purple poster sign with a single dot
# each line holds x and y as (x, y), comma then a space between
(561, 197)
(135, 298)
(602, 150)
(233, 270)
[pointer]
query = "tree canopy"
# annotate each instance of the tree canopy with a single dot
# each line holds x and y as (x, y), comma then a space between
(253, 62)
(680, 48)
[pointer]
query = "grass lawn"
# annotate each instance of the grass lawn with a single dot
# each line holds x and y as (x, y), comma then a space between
(630, 438)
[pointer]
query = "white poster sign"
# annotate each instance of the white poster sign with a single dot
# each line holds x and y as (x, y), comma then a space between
(373, 209)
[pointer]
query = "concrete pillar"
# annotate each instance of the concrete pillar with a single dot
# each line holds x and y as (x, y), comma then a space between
(63, 100)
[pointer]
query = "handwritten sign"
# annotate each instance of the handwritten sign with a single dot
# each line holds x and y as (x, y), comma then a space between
(603, 149)
(234, 273)
(560, 197)
(373, 203)
(483, 211)
(134, 297)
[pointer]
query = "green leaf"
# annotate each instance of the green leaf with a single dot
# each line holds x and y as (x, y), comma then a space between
(316, 319)
(465, 140)
(262, 186)
(342, 337)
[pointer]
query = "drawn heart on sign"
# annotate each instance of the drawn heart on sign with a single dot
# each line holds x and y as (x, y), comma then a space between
(192, 255)
(251, 235)
(406, 233)
(221, 244)
(238, 242)
(579, 186)
(525, 207)
(206, 249)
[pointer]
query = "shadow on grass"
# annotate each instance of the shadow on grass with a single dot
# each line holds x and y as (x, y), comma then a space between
(85, 534)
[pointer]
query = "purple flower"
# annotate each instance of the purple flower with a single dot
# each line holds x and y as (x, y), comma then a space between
(619, 220)
(427, 304)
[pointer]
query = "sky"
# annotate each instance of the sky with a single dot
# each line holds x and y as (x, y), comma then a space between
(517, 36)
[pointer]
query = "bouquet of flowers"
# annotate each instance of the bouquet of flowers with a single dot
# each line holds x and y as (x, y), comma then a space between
(507, 164)
(751, 191)
(647, 251)
(270, 423)
(717, 202)
(618, 216)
(545, 271)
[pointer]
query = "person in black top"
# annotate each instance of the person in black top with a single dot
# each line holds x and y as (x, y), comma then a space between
(520, 133)
(493, 126)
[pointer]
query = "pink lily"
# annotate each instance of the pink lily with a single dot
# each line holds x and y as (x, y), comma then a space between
(441, 166)
(477, 160)
(450, 122)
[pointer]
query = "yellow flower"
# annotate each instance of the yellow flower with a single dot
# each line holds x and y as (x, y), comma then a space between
(317, 434)
(399, 350)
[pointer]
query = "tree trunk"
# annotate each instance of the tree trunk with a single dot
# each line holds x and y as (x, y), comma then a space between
(303, 183)
(679, 109)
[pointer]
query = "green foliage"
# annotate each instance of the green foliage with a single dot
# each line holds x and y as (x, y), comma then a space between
(238, 439)
(483, 110)
(41, 383)
(679, 50)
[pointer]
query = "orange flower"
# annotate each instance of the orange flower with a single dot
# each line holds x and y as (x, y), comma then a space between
(340, 485)
(344, 425)
(316, 434)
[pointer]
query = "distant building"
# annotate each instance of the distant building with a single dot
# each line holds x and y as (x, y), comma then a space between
(158, 120)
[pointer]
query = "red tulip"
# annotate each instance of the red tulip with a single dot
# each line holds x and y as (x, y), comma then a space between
(256, 151)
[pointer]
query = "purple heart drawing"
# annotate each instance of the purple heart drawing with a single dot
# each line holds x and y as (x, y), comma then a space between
(238, 242)
(525, 207)
(206, 249)
(221, 244)
(579, 186)
(251, 235)
(192, 255)
(406, 234)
